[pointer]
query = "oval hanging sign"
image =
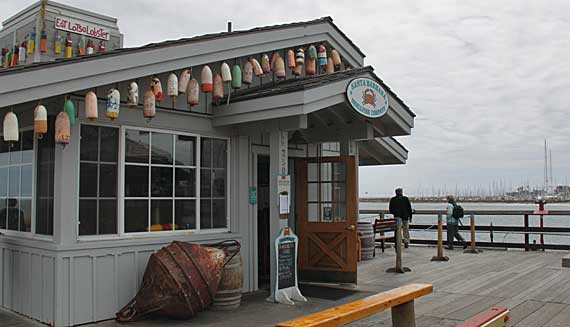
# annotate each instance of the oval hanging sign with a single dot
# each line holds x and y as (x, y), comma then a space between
(367, 97)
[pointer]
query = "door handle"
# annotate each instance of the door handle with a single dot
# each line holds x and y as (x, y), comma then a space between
(350, 228)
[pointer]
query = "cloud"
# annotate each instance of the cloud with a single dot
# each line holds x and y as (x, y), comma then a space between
(487, 79)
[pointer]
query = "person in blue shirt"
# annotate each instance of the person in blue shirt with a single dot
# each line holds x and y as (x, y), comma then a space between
(452, 222)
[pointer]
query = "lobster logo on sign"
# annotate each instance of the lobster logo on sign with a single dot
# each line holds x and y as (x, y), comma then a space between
(369, 97)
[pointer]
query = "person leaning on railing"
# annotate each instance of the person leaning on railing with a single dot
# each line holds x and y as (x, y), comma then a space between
(452, 222)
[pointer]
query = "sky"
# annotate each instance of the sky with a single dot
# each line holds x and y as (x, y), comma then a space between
(489, 81)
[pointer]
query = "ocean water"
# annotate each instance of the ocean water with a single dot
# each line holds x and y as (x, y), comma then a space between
(497, 220)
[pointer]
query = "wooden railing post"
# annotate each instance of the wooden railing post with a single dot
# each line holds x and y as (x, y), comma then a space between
(398, 245)
(404, 315)
(473, 248)
(526, 238)
(440, 256)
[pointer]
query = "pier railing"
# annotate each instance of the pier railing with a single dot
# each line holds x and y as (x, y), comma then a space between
(491, 229)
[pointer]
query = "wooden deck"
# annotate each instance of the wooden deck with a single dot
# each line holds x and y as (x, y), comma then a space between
(532, 285)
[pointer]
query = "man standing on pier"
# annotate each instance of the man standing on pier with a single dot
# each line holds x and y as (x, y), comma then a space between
(400, 207)
(452, 223)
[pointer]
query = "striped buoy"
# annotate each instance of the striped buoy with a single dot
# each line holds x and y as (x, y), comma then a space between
(218, 87)
(11, 129)
(183, 81)
(300, 57)
(257, 70)
(149, 105)
(133, 95)
(113, 104)
(226, 73)
(91, 110)
(62, 128)
(193, 96)
(90, 47)
(172, 85)
(206, 79)
(57, 44)
(322, 55)
(248, 73)
(156, 88)
(311, 67)
(69, 108)
(31, 43)
(237, 78)
(40, 120)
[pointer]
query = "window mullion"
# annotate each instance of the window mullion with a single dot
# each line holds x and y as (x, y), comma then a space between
(198, 181)
(149, 201)
(173, 181)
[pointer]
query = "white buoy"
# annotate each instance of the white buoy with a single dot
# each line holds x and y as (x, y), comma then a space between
(133, 95)
(183, 81)
(11, 130)
(40, 120)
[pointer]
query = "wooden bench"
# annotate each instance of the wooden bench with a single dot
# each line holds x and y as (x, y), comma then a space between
(400, 300)
(382, 226)
(492, 317)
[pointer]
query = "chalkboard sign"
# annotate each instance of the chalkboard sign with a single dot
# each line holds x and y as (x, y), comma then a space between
(286, 264)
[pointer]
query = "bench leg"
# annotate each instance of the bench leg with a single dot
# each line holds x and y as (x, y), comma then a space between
(403, 315)
(382, 246)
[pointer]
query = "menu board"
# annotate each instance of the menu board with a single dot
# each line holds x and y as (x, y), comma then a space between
(286, 264)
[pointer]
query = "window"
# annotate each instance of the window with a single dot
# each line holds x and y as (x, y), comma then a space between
(45, 163)
(326, 190)
(98, 166)
(16, 183)
(213, 176)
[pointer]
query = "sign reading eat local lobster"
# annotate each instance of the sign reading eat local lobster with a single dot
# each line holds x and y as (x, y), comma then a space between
(79, 27)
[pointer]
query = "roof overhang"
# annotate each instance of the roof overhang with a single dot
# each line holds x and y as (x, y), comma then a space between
(381, 151)
(323, 107)
(38, 81)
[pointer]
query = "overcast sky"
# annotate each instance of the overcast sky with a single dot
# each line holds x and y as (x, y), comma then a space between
(488, 80)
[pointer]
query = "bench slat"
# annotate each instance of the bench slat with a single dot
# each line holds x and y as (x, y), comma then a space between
(346, 313)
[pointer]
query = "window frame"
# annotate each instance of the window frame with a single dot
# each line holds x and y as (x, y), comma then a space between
(197, 198)
(32, 233)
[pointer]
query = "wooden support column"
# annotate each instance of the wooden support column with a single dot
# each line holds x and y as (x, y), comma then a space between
(440, 256)
(278, 165)
(404, 315)
(473, 248)
(398, 268)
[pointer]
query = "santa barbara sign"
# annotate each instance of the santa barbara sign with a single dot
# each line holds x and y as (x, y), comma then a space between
(367, 97)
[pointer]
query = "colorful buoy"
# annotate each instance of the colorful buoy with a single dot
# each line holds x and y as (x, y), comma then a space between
(311, 67)
(193, 97)
(113, 104)
(57, 44)
(91, 106)
(312, 52)
(265, 65)
(291, 59)
(149, 105)
(68, 47)
(322, 55)
(80, 47)
(226, 73)
(183, 80)
(101, 46)
(257, 70)
(40, 120)
(90, 47)
(43, 42)
(133, 95)
(206, 82)
(31, 43)
(336, 57)
(15, 56)
(218, 87)
(69, 108)
(280, 68)
(300, 57)
(156, 88)
(11, 130)
(236, 81)
(22, 52)
(172, 85)
(247, 73)
(62, 128)
(330, 66)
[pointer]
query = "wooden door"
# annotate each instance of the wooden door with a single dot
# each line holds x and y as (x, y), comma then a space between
(326, 219)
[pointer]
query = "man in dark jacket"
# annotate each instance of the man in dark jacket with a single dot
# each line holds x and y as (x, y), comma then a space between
(400, 207)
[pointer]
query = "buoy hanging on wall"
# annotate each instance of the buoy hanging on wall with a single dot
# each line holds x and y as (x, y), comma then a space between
(206, 79)
(68, 47)
(40, 120)
(236, 81)
(80, 47)
(149, 105)
(257, 70)
(133, 95)
(11, 130)
(336, 57)
(172, 85)
(57, 44)
(193, 92)
(91, 108)
(183, 81)
(101, 46)
(322, 55)
(280, 68)
(156, 88)
(300, 61)
(291, 59)
(330, 66)
(247, 73)
(31, 43)
(218, 87)
(113, 104)
(226, 73)
(15, 56)
(312, 52)
(265, 65)
(69, 108)
(43, 42)
(90, 47)
(22, 52)
(62, 129)
(311, 66)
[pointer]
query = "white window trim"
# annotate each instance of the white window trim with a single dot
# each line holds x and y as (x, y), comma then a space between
(121, 187)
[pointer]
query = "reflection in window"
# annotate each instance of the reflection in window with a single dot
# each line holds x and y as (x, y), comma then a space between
(213, 181)
(98, 180)
(45, 163)
(16, 183)
(326, 190)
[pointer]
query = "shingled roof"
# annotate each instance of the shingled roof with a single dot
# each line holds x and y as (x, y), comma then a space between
(169, 43)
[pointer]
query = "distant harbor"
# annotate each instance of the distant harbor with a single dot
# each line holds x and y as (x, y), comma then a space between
(480, 199)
